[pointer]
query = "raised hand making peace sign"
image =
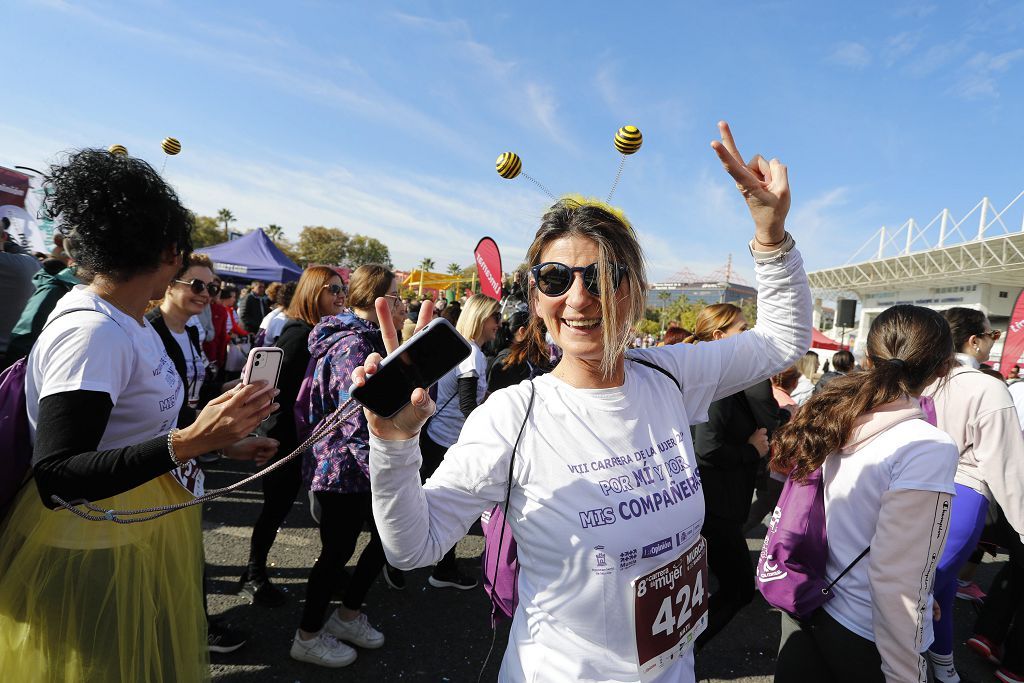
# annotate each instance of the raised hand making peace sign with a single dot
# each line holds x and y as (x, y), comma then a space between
(763, 184)
(408, 421)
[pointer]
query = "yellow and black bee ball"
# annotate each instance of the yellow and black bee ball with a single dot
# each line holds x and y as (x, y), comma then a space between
(171, 146)
(120, 150)
(509, 165)
(628, 139)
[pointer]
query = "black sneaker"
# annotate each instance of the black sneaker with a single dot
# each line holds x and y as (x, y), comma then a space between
(395, 578)
(453, 579)
(220, 638)
(261, 591)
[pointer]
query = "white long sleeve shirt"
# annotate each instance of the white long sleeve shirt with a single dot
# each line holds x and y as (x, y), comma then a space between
(605, 487)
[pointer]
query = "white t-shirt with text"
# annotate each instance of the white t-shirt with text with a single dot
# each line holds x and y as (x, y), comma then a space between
(86, 350)
(910, 455)
(605, 487)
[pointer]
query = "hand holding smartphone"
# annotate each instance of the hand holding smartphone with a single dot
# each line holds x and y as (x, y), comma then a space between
(418, 363)
(263, 365)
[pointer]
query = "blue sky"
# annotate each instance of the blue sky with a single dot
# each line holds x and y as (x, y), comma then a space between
(386, 119)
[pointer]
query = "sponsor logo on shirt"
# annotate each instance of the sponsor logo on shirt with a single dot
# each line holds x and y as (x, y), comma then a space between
(597, 517)
(657, 548)
(601, 565)
(685, 537)
(627, 559)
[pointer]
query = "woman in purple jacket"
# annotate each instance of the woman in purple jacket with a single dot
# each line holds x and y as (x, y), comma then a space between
(336, 470)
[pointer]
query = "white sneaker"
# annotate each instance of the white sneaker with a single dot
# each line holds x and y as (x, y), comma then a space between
(323, 650)
(358, 631)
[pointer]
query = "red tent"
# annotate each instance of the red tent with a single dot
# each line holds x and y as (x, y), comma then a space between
(820, 341)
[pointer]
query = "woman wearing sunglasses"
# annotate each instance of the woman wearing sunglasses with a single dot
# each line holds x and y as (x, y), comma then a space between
(978, 412)
(319, 293)
(187, 295)
(604, 483)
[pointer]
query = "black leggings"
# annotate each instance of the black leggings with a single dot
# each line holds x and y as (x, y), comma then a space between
(1002, 616)
(729, 560)
(822, 649)
(433, 454)
(280, 488)
(342, 516)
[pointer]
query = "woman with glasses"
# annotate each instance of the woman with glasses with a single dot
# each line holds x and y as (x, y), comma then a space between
(978, 412)
(458, 394)
(596, 459)
(336, 471)
(319, 293)
(187, 295)
(97, 601)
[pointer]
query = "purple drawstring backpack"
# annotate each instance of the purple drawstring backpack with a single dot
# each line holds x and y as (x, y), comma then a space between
(15, 444)
(500, 560)
(791, 567)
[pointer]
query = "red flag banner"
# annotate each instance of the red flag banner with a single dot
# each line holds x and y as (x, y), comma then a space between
(1013, 347)
(488, 267)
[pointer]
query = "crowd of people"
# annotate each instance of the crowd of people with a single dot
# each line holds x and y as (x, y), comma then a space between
(617, 458)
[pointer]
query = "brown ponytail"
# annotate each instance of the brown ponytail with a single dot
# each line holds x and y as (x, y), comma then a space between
(533, 348)
(908, 347)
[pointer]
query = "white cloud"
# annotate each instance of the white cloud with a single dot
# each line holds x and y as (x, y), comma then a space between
(502, 75)
(978, 78)
(414, 215)
(850, 54)
(358, 93)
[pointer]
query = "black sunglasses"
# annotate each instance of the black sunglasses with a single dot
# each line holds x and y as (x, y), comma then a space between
(334, 289)
(198, 286)
(555, 279)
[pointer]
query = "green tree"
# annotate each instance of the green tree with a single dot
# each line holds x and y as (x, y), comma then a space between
(317, 244)
(454, 268)
(226, 217)
(427, 264)
(362, 250)
(206, 231)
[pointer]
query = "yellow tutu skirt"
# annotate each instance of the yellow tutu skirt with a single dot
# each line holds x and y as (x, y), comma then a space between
(100, 601)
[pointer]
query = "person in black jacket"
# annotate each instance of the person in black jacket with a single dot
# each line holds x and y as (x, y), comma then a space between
(730, 448)
(320, 293)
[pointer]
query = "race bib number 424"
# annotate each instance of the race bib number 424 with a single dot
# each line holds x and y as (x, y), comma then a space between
(670, 609)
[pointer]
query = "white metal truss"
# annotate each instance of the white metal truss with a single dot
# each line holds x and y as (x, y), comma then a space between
(992, 254)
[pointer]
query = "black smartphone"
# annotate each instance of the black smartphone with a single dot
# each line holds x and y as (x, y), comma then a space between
(419, 362)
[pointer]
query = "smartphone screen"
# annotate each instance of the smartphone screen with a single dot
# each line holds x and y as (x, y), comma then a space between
(419, 362)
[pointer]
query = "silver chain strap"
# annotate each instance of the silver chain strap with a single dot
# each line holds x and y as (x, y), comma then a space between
(146, 514)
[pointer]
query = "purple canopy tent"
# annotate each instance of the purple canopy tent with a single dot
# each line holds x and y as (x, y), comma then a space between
(253, 257)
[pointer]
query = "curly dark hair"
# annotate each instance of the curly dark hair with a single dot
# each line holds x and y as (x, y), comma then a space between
(118, 211)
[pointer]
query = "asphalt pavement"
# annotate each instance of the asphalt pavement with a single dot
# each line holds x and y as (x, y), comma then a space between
(433, 634)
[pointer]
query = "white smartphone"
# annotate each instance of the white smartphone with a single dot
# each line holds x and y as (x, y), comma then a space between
(264, 365)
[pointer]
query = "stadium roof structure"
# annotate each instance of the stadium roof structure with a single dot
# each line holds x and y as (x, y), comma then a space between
(945, 250)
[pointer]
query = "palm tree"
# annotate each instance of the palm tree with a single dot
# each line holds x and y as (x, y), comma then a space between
(454, 269)
(274, 232)
(226, 217)
(427, 264)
